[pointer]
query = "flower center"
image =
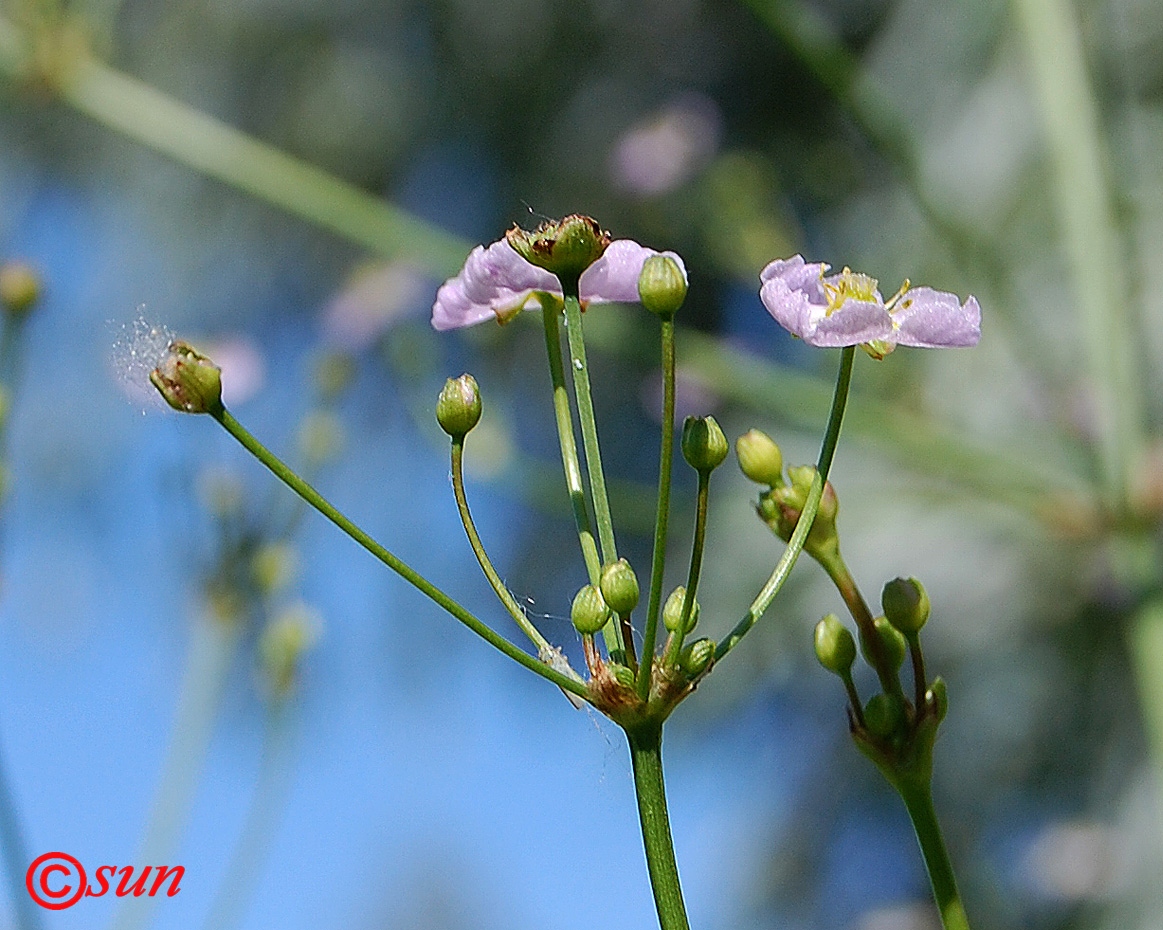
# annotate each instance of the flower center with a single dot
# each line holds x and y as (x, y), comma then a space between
(849, 284)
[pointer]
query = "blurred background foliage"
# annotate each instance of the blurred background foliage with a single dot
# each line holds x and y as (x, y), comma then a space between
(401, 775)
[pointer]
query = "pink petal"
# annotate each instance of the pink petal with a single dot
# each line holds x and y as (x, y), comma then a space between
(933, 319)
(494, 281)
(613, 278)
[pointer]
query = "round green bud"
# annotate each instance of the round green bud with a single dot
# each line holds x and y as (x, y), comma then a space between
(662, 285)
(283, 642)
(458, 409)
(884, 714)
(188, 380)
(835, 647)
(19, 287)
(759, 458)
(565, 248)
(703, 444)
(673, 608)
(893, 642)
(695, 657)
(619, 587)
(906, 605)
(273, 566)
(589, 612)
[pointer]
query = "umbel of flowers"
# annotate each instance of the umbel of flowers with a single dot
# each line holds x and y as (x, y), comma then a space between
(640, 660)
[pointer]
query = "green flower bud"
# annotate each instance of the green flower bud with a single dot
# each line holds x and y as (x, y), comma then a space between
(619, 587)
(906, 605)
(673, 608)
(790, 499)
(458, 409)
(696, 656)
(894, 643)
(188, 380)
(759, 458)
(884, 714)
(835, 647)
(937, 697)
(662, 286)
(19, 287)
(623, 676)
(703, 444)
(566, 248)
(589, 612)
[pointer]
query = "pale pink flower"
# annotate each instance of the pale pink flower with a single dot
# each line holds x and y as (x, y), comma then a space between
(847, 309)
(496, 282)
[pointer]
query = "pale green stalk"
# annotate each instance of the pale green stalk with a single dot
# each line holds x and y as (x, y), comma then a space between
(207, 145)
(662, 511)
(918, 798)
(696, 567)
(1091, 240)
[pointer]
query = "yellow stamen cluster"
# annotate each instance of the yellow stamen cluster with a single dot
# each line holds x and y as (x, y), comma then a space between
(849, 284)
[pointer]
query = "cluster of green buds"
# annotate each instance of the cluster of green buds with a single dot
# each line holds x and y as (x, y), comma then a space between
(782, 503)
(895, 730)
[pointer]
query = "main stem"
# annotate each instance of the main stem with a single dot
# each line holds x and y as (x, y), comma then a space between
(918, 800)
(646, 756)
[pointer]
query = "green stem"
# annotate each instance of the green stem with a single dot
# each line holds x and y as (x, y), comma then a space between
(191, 137)
(799, 536)
(589, 428)
(569, 457)
(646, 757)
(414, 578)
(662, 512)
(1091, 240)
(857, 606)
(692, 583)
(503, 594)
(563, 414)
(212, 649)
(918, 798)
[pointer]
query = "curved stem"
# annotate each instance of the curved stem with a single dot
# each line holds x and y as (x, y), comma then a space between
(503, 594)
(662, 512)
(692, 583)
(414, 578)
(646, 757)
(918, 798)
(796, 544)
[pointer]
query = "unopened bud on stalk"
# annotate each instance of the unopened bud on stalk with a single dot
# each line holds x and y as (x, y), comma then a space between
(589, 612)
(19, 287)
(458, 409)
(188, 380)
(619, 587)
(283, 642)
(835, 647)
(695, 657)
(894, 644)
(759, 458)
(662, 285)
(673, 608)
(703, 444)
(906, 605)
(884, 714)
